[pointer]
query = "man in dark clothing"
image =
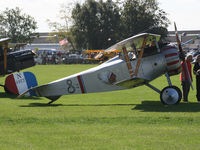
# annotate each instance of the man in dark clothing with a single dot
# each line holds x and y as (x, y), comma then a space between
(196, 71)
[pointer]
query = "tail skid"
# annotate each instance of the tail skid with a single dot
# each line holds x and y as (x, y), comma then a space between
(53, 98)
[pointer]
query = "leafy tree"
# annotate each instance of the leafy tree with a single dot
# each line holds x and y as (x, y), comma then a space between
(99, 24)
(143, 15)
(61, 31)
(19, 27)
(110, 23)
(94, 23)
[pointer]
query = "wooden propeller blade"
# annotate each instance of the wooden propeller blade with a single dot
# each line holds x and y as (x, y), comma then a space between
(182, 56)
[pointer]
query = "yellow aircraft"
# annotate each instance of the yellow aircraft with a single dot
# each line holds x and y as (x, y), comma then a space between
(101, 55)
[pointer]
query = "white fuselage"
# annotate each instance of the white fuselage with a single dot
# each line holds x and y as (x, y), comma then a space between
(97, 79)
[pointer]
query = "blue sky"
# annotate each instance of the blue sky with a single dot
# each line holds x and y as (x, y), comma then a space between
(184, 12)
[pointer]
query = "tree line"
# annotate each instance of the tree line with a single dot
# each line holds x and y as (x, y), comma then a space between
(103, 23)
(93, 24)
(18, 26)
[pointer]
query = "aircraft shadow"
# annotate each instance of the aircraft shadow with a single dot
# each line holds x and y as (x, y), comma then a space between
(13, 96)
(157, 106)
(72, 105)
(41, 105)
(145, 106)
(7, 95)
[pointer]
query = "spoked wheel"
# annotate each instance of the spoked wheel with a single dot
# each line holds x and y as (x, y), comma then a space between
(170, 95)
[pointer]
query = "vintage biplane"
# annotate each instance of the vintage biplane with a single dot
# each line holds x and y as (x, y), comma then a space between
(142, 60)
(101, 55)
(12, 61)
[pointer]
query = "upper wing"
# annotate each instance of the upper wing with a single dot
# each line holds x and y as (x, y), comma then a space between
(4, 40)
(135, 41)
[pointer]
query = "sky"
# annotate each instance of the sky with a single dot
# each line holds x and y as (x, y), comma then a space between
(184, 12)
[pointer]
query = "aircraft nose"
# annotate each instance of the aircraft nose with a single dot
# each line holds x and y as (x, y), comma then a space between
(172, 60)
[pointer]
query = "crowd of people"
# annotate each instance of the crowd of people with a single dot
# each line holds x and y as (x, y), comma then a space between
(186, 76)
(49, 58)
(45, 57)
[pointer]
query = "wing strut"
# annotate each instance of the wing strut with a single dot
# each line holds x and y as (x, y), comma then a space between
(140, 57)
(3, 51)
(128, 63)
(5, 58)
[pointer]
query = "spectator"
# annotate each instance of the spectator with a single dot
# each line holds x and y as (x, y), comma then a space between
(196, 71)
(185, 82)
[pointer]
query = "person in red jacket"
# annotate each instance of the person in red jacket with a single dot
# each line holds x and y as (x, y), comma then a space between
(185, 82)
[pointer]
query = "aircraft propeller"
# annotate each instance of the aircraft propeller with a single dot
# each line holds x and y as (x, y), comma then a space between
(182, 56)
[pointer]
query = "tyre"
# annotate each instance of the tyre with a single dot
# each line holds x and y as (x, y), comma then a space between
(170, 95)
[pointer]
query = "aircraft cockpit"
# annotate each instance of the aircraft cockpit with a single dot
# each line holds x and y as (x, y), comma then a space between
(137, 47)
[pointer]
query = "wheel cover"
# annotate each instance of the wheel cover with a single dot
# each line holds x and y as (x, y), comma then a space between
(170, 96)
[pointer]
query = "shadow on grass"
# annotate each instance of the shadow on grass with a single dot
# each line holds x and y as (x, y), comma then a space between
(157, 106)
(72, 105)
(145, 106)
(41, 105)
(6, 95)
(13, 96)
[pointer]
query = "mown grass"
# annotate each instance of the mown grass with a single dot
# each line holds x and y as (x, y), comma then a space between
(120, 120)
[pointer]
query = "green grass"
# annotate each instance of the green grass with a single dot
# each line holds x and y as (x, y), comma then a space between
(120, 120)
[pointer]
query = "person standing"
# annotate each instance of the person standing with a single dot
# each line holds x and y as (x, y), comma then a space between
(185, 82)
(196, 71)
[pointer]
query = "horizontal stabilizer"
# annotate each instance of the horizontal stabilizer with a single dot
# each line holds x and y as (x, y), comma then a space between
(21, 95)
(36, 89)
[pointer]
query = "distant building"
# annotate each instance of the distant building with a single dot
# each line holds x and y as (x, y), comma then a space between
(43, 42)
(185, 36)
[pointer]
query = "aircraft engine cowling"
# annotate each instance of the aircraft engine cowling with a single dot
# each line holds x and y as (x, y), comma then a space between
(173, 63)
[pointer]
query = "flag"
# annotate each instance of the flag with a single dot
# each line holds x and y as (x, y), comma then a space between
(63, 42)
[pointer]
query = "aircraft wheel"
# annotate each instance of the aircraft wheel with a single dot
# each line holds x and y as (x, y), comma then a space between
(170, 95)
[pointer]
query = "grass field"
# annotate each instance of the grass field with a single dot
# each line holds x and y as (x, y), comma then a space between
(131, 119)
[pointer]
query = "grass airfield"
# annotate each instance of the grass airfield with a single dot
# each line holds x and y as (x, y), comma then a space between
(121, 120)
